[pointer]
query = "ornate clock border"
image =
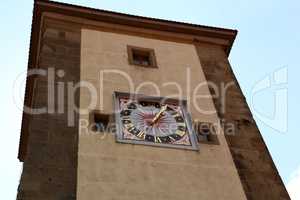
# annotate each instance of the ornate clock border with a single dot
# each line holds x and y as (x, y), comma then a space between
(155, 121)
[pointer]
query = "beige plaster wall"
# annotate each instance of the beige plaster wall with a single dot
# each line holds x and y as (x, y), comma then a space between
(110, 170)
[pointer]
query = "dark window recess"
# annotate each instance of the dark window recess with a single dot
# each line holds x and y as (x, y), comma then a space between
(206, 133)
(141, 56)
(99, 121)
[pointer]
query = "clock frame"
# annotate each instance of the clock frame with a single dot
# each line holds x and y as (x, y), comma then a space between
(169, 126)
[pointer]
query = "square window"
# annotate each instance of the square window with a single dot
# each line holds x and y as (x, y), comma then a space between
(99, 121)
(141, 56)
(206, 133)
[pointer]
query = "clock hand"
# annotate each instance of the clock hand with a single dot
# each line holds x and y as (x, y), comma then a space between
(159, 114)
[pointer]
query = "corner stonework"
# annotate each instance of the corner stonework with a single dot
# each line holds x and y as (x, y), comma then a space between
(50, 165)
(252, 159)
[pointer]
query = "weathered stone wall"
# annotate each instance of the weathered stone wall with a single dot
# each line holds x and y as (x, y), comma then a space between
(50, 166)
(256, 169)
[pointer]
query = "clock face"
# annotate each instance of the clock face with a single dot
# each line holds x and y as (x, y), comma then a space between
(149, 121)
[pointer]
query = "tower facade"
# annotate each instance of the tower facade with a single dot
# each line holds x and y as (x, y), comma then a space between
(126, 107)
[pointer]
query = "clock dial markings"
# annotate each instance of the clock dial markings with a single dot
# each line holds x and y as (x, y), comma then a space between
(157, 139)
(175, 137)
(125, 112)
(180, 133)
(126, 121)
(130, 127)
(172, 138)
(131, 106)
(141, 134)
(153, 122)
(181, 128)
(179, 119)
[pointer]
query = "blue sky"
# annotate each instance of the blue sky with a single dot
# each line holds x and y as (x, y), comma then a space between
(268, 40)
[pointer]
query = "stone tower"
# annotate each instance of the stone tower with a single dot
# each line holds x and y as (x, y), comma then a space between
(127, 107)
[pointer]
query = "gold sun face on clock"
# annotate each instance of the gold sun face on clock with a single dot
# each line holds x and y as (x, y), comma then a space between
(153, 121)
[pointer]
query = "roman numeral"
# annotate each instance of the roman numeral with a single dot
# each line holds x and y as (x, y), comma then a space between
(157, 139)
(181, 133)
(126, 118)
(173, 139)
(141, 134)
(129, 126)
